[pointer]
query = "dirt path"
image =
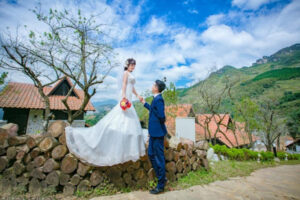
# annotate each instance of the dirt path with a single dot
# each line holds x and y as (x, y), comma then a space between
(281, 182)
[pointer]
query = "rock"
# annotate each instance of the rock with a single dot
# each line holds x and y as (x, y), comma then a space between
(50, 165)
(173, 142)
(179, 166)
(69, 189)
(201, 153)
(19, 168)
(48, 143)
(127, 178)
(205, 164)
(139, 174)
(96, 178)
(3, 163)
(62, 139)
(59, 152)
(276, 159)
(38, 173)
(84, 185)
(69, 164)
(17, 140)
(64, 178)
(39, 161)
(147, 165)
(57, 128)
(187, 143)
(113, 173)
(215, 158)
(3, 138)
(83, 169)
(35, 152)
(169, 155)
(75, 179)
(182, 153)
(171, 167)
(11, 129)
(210, 154)
(53, 178)
(34, 186)
(203, 145)
(11, 153)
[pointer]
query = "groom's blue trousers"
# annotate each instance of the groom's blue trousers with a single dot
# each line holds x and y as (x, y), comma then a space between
(157, 158)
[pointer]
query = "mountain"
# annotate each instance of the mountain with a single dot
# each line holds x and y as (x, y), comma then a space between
(102, 108)
(277, 74)
(106, 102)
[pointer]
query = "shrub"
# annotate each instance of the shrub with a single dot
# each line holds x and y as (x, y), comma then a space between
(266, 156)
(281, 155)
(247, 154)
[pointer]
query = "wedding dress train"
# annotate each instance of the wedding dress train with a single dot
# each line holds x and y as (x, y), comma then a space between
(117, 138)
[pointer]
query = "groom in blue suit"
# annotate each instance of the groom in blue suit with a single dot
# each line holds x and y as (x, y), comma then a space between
(157, 131)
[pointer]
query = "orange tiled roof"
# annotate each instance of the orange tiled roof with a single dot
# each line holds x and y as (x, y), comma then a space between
(24, 95)
(182, 110)
(225, 135)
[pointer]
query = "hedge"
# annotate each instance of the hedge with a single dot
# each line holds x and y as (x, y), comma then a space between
(247, 154)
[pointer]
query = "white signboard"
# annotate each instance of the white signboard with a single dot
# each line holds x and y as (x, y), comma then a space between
(185, 128)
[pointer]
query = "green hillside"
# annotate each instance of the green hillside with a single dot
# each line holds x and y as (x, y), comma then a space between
(278, 74)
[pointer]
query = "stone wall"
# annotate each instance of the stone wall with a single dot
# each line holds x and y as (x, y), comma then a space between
(40, 162)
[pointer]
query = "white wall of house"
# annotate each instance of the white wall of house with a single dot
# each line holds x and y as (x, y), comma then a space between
(259, 146)
(185, 128)
(76, 123)
(35, 122)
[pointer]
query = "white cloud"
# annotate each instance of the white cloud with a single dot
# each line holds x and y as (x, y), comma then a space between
(214, 19)
(156, 26)
(250, 4)
(193, 11)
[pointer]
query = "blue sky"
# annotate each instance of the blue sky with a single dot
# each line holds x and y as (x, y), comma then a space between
(180, 39)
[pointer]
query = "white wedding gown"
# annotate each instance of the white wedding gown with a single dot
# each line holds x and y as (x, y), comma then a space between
(117, 138)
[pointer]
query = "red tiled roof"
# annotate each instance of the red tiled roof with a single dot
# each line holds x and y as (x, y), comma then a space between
(24, 95)
(225, 135)
(182, 110)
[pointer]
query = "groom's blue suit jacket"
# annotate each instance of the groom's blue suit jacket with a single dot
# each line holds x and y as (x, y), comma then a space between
(157, 118)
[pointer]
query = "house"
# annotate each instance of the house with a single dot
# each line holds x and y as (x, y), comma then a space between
(23, 105)
(284, 142)
(230, 132)
(294, 147)
(173, 111)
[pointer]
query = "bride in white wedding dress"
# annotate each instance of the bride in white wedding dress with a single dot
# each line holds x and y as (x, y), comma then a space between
(117, 138)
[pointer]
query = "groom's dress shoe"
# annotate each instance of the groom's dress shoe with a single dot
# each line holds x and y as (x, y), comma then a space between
(156, 191)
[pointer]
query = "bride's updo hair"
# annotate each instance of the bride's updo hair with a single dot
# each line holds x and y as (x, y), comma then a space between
(128, 62)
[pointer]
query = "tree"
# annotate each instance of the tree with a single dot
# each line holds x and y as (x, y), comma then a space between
(210, 98)
(246, 111)
(272, 126)
(74, 46)
(15, 56)
(2, 77)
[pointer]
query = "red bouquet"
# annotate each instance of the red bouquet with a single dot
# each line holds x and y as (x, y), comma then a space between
(124, 104)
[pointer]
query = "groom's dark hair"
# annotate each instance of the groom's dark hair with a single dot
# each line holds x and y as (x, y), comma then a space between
(160, 85)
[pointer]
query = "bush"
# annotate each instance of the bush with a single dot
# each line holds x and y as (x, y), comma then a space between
(266, 156)
(293, 156)
(247, 154)
(281, 155)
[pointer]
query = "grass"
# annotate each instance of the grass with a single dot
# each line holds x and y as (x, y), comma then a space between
(222, 171)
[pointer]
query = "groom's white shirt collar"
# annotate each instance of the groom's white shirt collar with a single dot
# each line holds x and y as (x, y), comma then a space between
(155, 95)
